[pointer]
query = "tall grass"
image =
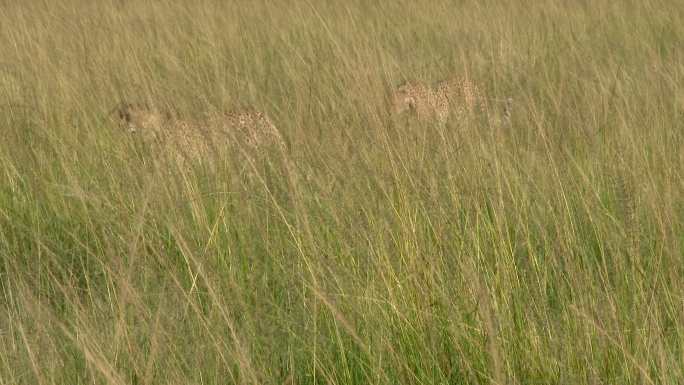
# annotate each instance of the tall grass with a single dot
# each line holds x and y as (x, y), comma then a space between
(374, 249)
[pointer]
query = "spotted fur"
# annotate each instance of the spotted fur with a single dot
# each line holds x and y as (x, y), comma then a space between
(465, 96)
(458, 98)
(197, 139)
(421, 100)
(251, 127)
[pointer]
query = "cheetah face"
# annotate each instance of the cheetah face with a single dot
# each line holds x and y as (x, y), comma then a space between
(126, 119)
(403, 99)
(133, 117)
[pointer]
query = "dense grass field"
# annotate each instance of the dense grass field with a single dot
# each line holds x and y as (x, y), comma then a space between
(372, 248)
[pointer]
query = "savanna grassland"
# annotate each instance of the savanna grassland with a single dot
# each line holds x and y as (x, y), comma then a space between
(371, 248)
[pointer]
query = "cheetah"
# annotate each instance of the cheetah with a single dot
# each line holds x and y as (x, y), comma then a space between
(457, 96)
(465, 96)
(197, 139)
(250, 127)
(135, 117)
(421, 100)
(161, 132)
(469, 101)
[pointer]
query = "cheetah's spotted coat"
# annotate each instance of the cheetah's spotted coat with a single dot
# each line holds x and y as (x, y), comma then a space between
(457, 96)
(252, 127)
(197, 139)
(422, 100)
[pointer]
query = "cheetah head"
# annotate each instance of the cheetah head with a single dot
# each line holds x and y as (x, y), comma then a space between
(135, 117)
(405, 97)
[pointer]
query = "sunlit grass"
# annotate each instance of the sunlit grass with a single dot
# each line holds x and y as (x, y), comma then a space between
(372, 249)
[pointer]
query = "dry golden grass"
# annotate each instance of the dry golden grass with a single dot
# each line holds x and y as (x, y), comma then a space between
(325, 243)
